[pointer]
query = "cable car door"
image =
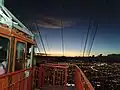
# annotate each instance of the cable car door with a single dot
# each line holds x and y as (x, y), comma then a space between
(19, 61)
(20, 55)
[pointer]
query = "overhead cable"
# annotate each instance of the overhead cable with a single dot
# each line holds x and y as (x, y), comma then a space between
(93, 39)
(31, 28)
(90, 20)
(37, 28)
(62, 37)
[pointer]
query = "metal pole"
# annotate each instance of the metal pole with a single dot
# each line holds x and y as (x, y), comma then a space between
(2, 2)
(32, 52)
(62, 37)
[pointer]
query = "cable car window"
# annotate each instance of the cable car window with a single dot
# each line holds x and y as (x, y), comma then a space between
(20, 56)
(28, 62)
(4, 46)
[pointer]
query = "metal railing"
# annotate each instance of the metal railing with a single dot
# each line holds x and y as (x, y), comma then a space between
(46, 77)
(19, 80)
(53, 75)
(81, 82)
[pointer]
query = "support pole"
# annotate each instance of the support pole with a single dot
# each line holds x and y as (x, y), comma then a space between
(2, 2)
(32, 54)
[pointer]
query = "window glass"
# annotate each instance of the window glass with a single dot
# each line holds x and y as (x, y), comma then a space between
(20, 49)
(20, 56)
(4, 45)
(28, 62)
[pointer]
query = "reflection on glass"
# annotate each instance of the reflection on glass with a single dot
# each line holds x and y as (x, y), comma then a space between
(28, 62)
(20, 56)
(20, 51)
(4, 44)
(3, 48)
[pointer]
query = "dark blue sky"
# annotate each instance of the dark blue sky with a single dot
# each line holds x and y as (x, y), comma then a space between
(75, 15)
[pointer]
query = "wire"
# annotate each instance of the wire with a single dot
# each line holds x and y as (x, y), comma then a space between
(81, 45)
(62, 37)
(30, 28)
(93, 39)
(47, 43)
(87, 36)
(37, 28)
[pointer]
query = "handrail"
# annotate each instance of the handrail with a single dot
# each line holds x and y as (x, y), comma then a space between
(81, 82)
(52, 77)
(51, 65)
(13, 73)
(22, 80)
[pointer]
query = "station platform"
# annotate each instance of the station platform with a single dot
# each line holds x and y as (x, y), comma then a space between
(57, 88)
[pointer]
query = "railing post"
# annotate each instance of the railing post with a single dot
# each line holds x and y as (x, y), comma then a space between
(41, 76)
(81, 82)
(54, 76)
(78, 81)
(65, 76)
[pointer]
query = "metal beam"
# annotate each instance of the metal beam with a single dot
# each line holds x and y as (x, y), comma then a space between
(2, 2)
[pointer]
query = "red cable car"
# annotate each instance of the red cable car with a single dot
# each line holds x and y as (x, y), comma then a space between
(16, 52)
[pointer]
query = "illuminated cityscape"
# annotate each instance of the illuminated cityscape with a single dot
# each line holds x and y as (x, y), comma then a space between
(103, 76)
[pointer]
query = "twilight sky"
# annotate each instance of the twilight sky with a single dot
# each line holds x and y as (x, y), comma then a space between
(75, 15)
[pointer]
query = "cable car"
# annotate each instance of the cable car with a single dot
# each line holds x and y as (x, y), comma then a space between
(16, 43)
(16, 52)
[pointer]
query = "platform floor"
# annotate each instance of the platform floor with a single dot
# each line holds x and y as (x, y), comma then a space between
(57, 88)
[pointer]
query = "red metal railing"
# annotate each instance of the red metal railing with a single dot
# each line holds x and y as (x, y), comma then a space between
(53, 75)
(19, 80)
(81, 82)
(47, 75)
